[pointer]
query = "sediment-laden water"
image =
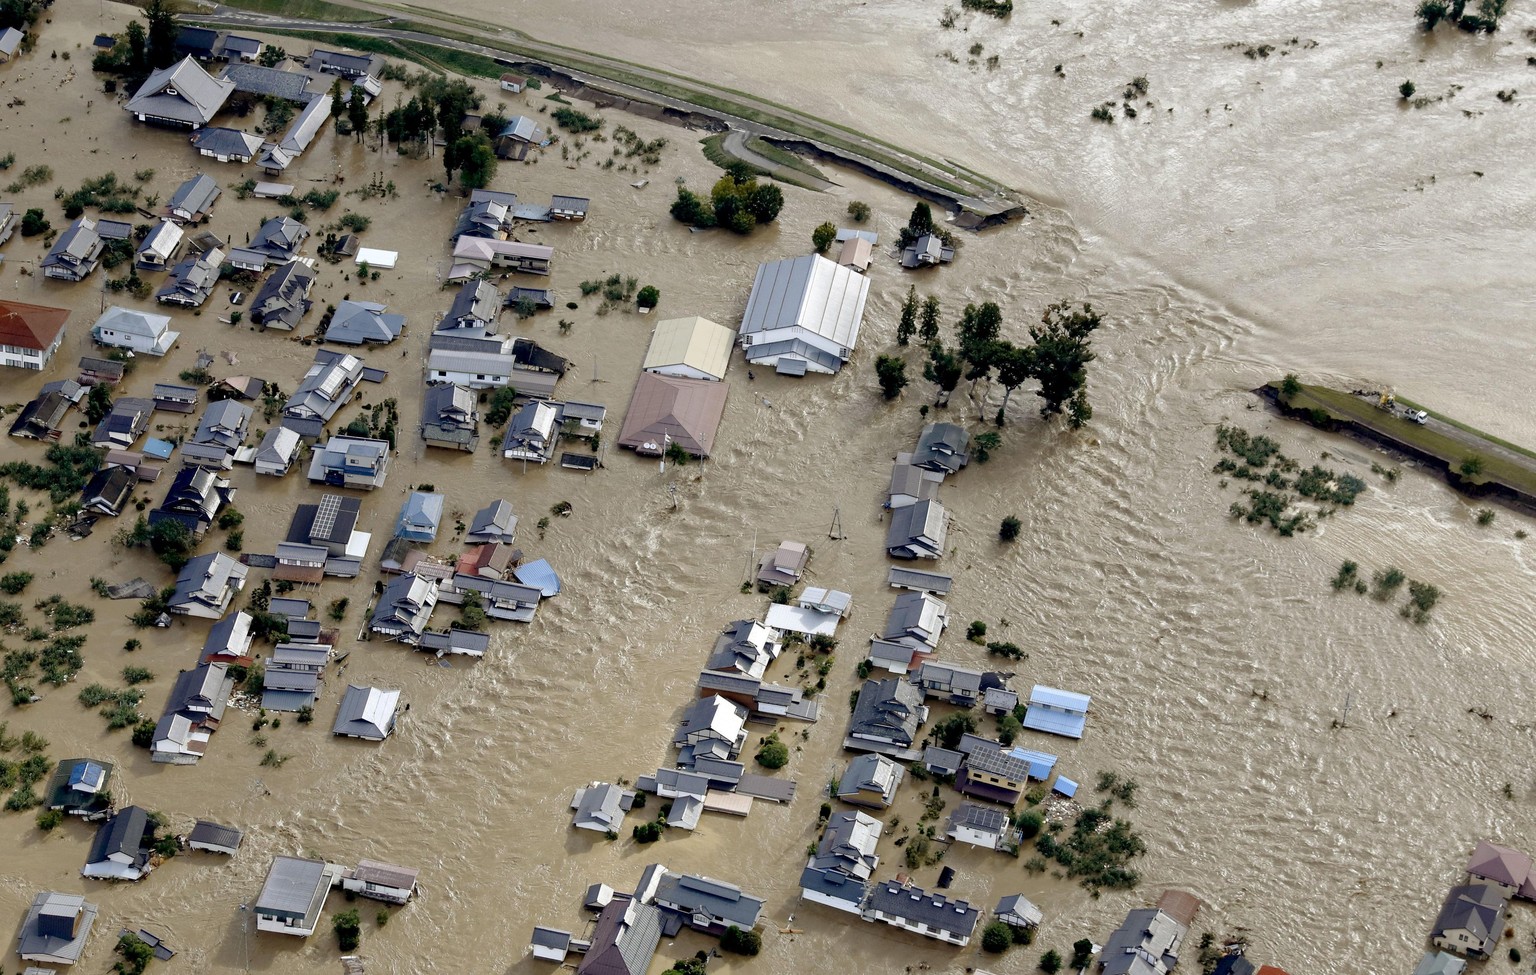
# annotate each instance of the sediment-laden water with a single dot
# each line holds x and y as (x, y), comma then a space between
(1294, 227)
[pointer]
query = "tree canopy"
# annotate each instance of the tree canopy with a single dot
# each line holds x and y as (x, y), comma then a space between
(1059, 360)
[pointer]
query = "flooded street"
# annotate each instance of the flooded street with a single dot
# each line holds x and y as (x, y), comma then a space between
(1294, 227)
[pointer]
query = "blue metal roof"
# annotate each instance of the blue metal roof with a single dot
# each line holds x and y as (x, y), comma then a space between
(157, 448)
(540, 575)
(1040, 763)
(1052, 697)
(1065, 786)
(1038, 718)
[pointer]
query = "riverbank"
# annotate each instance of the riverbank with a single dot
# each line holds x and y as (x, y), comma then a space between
(1470, 461)
(978, 202)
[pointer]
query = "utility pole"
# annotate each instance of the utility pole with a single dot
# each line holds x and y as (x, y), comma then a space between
(836, 531)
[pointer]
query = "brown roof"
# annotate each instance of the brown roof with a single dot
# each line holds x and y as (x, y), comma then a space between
(686, 410)
(30, 326)
(1180, 905)
(494, 556)
(1499, 864)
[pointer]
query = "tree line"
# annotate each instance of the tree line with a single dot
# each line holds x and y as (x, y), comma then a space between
(1056, 358)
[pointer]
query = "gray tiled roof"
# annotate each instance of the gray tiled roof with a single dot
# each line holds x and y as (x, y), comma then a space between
(724, 904)
(889, 709)
(918, 906)
(625, 939)
(295, 888)
(183, 92)
(196, 195)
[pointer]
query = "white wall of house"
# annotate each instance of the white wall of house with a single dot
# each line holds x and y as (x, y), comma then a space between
(21, 358)
(277, 925)
(975, 837)
(472, 380)
(836, 903)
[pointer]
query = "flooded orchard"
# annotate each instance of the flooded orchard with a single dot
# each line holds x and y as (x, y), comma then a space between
(1294, 228)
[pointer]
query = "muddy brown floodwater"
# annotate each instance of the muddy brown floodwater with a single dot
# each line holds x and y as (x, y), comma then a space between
(1294, 227)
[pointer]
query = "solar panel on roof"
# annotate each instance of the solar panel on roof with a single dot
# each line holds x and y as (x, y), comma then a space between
(325, 516)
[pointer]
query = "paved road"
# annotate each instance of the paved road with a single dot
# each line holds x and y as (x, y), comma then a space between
(983, 199)
(735, 143)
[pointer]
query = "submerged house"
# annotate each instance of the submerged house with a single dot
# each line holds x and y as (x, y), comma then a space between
(30, 334)
(983, 826)
(381, 881)
(79, 787)
(1507, 869)
(279, 240)
(323, 540)
(913, 909)
(160, 247)
(284, 297)
(838, 874)
(665, 411)
(420, 517)
(803, 315)
(1471, 921)
(870, 780)
(745, 647)
(122, 427)
(56, 928)
(110, 489)
(206, 585)
(712, 724)
(362, 323)
(293, 896)
(1147, 943)
(192, 714)
(43, 417)
(76, 252)
(450, 417)
(533, 433)
(942, 448)
(192, 281)
(327, 386)
(1057, 712)
(625, 939)
(784, 565)
(194, 199)
(404, 608)
(120, 850)
(367, 713)
(138, 331)
(600, 807)
(220, 433)
(918, 531)
(886, 716)
(705, 904)
(690, 348)
(278, 449)
(195, 498)
(519, 135)
(350, 462)
(474, 310)
(180, 96)
(496, 522)
(226, 145)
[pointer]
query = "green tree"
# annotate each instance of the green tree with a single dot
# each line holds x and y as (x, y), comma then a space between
(138, 47)
(1082, 953)
(1490, 12)
(33, 222)
(648, 296)
(892, 373)
(144, 733)
(943, 369)
(1431, 12)
(1009, 530)
(477, 161)
(1471, 466)
(983, 444)
(773, 753)
(172, 541)
(858, 211)
(1059, 360)
(928, 330)
(823, 236)
(338, 103)
(979, 328)
(271, 56)
(1050, 962)
(1406, 89)
(691, 208)
(1290, 386)
(162, 31)
(357, 113)
(349, 930)
(500, 408)
(1014, 366)
(907, 327)
(996, 937)
(921, 220)
(741, 942)
(98, 403)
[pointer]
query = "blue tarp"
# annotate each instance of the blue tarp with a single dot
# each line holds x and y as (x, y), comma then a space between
(540, 575)
(1040, 763)
(157, 448)
(1065, 786)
